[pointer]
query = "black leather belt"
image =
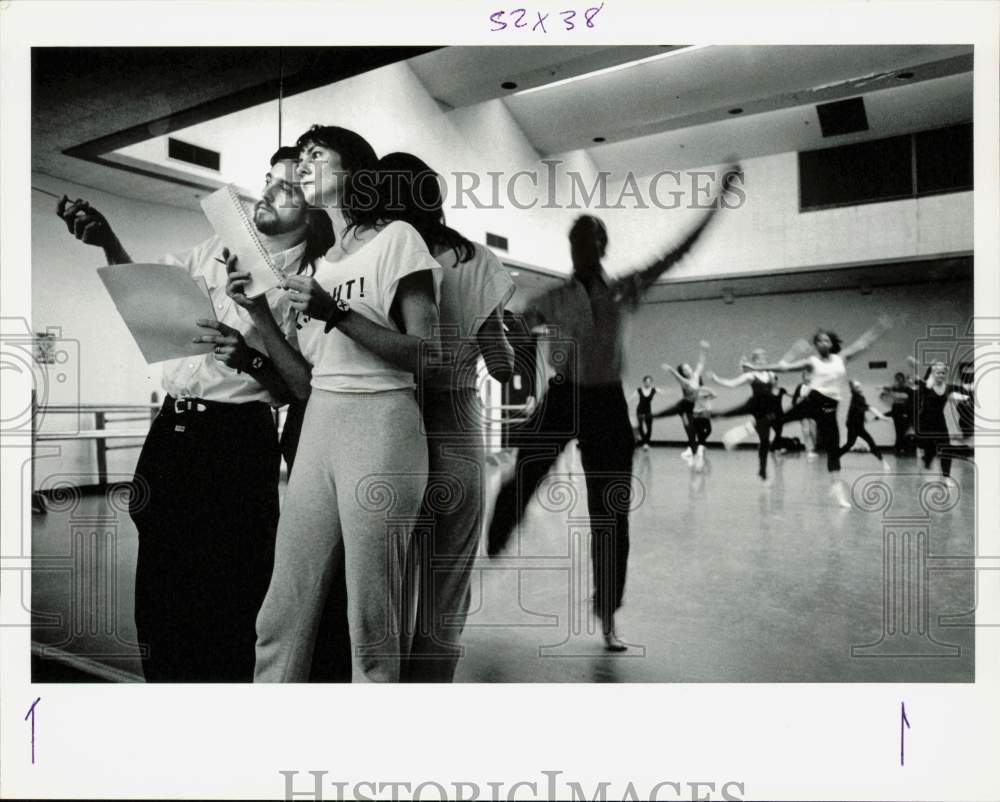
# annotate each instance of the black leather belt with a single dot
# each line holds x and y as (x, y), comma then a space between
(186, 406)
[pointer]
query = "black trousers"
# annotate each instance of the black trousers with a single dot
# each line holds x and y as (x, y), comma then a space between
(598, 417)
(932, 445)
(684, 409)
(823, 410)
(853, 433)
(206, 509)
(765, 418)
(902, 420)
(645, 420)
(701, 429)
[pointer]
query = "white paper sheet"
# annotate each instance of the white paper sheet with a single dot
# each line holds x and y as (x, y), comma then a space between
(160, 304)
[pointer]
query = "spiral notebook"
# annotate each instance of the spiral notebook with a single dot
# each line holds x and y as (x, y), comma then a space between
(228, 214)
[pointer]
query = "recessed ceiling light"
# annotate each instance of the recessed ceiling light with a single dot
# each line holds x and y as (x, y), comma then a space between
(737, 110)
(514, 273)
(904, 76)
(508, 85)
(599, 139)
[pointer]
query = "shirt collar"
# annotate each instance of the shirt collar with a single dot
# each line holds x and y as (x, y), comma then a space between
(284, 259)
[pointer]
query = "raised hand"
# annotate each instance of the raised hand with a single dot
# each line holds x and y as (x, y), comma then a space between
(85, 223)
(230, 347)
(308, 297)
(236, 285)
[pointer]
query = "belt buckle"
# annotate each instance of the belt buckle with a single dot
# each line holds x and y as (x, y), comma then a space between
(188, 405)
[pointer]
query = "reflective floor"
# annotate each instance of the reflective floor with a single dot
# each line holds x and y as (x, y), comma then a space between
(728, 581)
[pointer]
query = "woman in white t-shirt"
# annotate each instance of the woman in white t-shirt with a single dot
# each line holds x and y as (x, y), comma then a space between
(361, 466)
(827, 373)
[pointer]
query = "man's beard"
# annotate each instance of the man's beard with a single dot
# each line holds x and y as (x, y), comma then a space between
(269, 225)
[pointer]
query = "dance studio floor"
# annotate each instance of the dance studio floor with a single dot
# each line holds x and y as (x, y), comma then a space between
(728, 582)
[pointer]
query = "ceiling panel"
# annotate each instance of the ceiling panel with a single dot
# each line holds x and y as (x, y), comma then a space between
(700, 85)
(464, 76)
(899, 110)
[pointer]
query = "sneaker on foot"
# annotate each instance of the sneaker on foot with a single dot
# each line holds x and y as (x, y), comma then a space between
(886, 466)
(686, 453)
(645, 446)
(811, 455)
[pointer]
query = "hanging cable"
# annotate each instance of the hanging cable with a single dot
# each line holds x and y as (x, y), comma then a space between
(281, 89)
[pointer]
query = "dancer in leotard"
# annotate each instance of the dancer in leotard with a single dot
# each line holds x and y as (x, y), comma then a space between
(644, 410)
(764, 405)
(827, 370)
(856, 424)
(690, 381)
(933, 395)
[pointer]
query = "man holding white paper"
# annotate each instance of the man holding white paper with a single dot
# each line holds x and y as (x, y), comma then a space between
(206, 502)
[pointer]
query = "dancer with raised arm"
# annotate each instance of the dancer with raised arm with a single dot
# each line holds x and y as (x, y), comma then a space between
(690, 380)
(827, 372)
(589, 313)
(933, 394)
(764, 406)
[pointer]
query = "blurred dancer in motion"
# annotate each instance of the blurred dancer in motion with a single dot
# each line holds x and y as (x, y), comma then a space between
(763, 405)
(643, 395)
(691, 381)
(827, 371)
(585, 400)
(900, 392)
(856, 424)
(933, 394)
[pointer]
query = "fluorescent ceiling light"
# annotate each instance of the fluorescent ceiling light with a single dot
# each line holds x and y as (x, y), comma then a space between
(606, 70)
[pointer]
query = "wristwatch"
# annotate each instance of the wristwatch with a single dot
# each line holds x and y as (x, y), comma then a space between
(257, 361)
(341, 309)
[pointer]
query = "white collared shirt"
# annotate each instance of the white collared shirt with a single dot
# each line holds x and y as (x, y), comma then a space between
(205, 376)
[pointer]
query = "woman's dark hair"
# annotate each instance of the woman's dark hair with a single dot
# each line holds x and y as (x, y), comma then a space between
(407, 189)
(835, 341)
(357, 159)
(647, 377)
(319, 239)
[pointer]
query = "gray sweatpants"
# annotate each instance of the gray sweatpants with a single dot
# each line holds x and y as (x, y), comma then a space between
(359, 475)
(444, 545)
